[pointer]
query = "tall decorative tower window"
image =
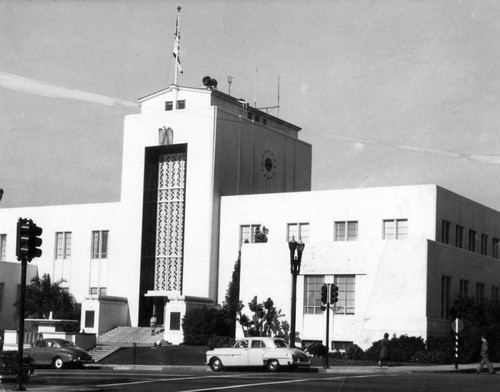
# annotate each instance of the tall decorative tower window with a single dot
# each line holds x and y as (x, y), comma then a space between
(170, 222)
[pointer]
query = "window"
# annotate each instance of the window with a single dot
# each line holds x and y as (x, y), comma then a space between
(89, 318)
(445, 232)
(247, 233)
(100, 244)
(169, 105)
(346, 231)
(250, 115)
(484, 244)
(3, 247)
(175, 321)
(495, 252)
(494, 293)
(181, 104)
(445, 296)
(479, 293)
(1, 295)
(98, 290)
(312, 296)
(346, 285)
(395, 229)
(472, 240)
(459, 236)
(299, 231)
(464, 288)
(63, 245)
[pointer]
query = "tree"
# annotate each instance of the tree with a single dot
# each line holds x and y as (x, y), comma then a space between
(265, 320)
(261, 235)
(44, 296)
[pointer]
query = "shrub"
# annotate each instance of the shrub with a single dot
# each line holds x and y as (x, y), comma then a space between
(219, 341)
(355, 353)
(316, 350)
(199, 324)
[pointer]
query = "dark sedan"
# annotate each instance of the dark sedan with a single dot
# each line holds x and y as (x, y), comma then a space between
(9, 366)
(59, 353)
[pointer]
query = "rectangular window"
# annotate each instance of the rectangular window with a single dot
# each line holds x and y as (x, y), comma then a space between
(445, 232)
(346, 285)
(169, 105)
(1, 295)
(472, 240)
(495, 252)
(346, 231)
(3, 247)
(63, 245)
(298, 231)
(445, 296)
(459, 236)
(312, 295)
(494, 293)
(100, 244)
(395, 229)
(464, 288)
(175, 321)
(484, 244)
(98, 290)
(181, 104)
(479, 293)
(247, 233)
(89, 318)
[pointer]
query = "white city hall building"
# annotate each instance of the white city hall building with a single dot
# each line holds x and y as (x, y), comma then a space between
(201, 171)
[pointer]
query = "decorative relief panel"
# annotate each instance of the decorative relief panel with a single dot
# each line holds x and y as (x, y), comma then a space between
(170, 222)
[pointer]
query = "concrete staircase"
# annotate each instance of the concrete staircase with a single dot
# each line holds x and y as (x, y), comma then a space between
(118, 337)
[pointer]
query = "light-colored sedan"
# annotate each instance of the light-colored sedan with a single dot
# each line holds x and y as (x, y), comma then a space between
(272, 353)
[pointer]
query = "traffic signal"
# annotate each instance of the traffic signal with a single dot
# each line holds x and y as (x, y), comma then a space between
(28, 240)
(334, 294)
(324, 294)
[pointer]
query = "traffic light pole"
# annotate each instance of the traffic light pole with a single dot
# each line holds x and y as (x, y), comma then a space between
(327, 366)
(20, 336)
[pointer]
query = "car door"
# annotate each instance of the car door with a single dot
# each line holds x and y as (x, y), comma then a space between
(239, 354)
(40, 353)
(255, 352)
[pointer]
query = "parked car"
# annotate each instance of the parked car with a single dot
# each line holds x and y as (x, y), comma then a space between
(9, 366)
(59, 353)
(271, 353)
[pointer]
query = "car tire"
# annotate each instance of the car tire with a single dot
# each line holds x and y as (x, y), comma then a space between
(273, 365)
(58, 363)
(216, 364)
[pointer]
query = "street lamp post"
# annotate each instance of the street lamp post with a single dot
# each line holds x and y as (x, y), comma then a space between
(295, 261)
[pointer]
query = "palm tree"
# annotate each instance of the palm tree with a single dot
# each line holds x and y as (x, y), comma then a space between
(44, 296)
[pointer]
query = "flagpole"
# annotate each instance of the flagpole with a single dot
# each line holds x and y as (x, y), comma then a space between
(177, 34)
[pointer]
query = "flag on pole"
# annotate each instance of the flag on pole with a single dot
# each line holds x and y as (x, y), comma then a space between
(177, 44)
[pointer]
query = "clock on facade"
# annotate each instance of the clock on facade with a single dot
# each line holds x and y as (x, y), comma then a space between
(268, 164)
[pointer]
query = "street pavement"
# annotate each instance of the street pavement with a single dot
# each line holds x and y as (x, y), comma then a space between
(337, 370)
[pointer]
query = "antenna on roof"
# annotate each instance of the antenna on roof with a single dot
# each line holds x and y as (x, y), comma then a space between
(229, 81)
(267, 108)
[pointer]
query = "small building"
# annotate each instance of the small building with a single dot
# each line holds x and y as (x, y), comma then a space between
(399, 255)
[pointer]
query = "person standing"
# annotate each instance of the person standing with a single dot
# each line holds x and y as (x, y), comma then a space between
(152, 323)
(485, 360)
(384, 350)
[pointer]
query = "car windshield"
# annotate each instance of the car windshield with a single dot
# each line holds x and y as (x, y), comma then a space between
(280, 343)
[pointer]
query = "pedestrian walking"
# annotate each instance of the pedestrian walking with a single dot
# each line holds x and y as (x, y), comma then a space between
(485, 360)
(384, 350)
(152, 323)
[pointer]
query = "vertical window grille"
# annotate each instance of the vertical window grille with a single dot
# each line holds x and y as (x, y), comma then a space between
(479, 293)
(298, 231)
(100, 244)
(472, 240)
(3, 247)
(63, 245)
(445, 232)
(346, 231)
(459, 236)
(312, 295)
(395, 229)
(484, 244)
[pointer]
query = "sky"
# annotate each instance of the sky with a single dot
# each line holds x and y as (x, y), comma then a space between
(387, 92)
